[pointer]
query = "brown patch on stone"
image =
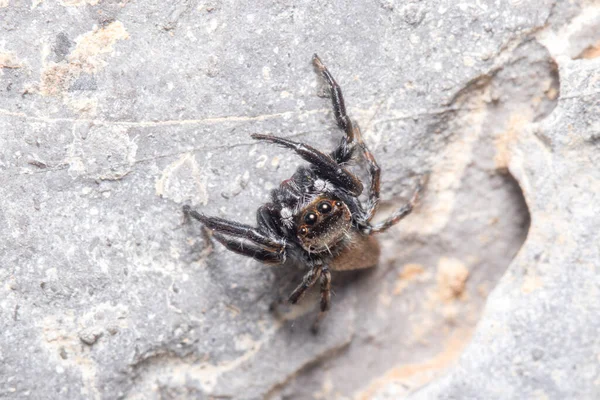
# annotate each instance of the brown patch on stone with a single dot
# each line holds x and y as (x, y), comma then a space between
(531, 282)
(410, 376)
(451, 279)
(592, 51)
(552, 93)
(9, 60)
(409, 273)
(56, 78)
(87, 57)
(91, 46)
(506, 141)
(483, 289)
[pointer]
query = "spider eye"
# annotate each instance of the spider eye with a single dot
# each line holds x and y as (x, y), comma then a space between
(324, 207)
(310, 218)
(338, 203)
(303, 231)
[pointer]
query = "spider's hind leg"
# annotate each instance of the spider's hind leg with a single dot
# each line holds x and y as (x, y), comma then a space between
(232, 228)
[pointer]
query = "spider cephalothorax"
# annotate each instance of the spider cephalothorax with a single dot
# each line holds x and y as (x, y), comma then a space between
(315, 218)
(323, 224)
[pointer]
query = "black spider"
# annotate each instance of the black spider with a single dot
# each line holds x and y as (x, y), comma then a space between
(315, 218)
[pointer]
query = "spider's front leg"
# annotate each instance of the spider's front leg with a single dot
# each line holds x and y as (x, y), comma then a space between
(343, 153)
(346, 148)
(309, 280)
(242, 239)
(327, 166)
(353, 137)
(325, 297)
(337, 99)
(316, 273)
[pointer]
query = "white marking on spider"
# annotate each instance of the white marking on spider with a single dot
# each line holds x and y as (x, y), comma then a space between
(286, 217)
(321, 185)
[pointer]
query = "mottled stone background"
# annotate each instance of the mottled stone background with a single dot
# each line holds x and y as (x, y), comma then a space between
(113, 114)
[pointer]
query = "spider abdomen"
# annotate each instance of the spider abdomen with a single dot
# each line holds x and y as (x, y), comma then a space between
(360, 252)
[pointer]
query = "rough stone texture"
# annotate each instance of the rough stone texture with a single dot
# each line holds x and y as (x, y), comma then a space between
(115, 113)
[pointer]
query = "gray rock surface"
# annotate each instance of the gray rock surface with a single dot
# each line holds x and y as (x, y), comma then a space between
(113, 114)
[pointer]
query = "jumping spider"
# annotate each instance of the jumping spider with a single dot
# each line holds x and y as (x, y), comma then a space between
(315, 218)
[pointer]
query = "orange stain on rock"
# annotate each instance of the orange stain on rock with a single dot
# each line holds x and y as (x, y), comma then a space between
(409, 274)
(590, 52)
(412, 376)
(451, 279)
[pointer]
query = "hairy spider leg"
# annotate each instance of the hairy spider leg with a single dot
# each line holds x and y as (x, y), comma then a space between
(327, 167)
(234, 229)
(308, 281)
(237, 245)
(400, 213)
(353, 136)
(343, 153)
(325, 289)
(374, 176)
(325, 297)
(266, 218)
(337, 99)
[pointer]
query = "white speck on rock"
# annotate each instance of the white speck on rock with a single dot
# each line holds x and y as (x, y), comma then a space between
(183, 180)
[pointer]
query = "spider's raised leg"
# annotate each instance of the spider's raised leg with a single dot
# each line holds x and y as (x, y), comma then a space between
(232, 228)
(327, 166)
(245, 248)
(337, 99)
(400, 213)
(353, 136)
(307, 282)
(343, 153)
